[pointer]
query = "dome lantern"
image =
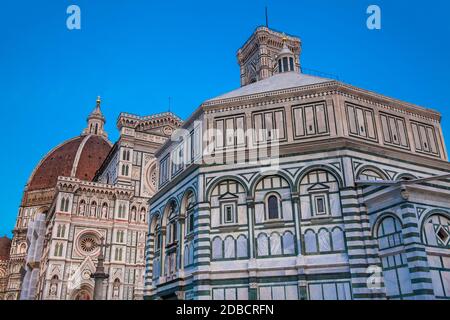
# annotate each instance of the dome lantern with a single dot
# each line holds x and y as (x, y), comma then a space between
(96, 122)
(286, 58)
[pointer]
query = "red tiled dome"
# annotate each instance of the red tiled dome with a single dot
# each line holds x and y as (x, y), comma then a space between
(80, 157)
(5, 245)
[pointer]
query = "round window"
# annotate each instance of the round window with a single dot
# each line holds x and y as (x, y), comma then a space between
(88, 243)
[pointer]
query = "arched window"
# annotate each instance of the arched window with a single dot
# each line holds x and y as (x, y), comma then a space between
(273, 207)
(310, 242)
(370, 175)
(242, 246)
(389, 233)
(324, 240)
(288, 243)
(319, 195)
(275, 244)
(395, 266)
(263, 245)
(119, 236)
(125, 170)
(58, 250)
(217, 248)
(230, 250)
(338, 242)
(63, 204)
(122, 211)
(58, 233)
(66, 206)
(118, 254)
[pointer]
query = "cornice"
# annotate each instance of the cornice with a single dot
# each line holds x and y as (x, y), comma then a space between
(133, 121)
(320, 90)
(72, 185)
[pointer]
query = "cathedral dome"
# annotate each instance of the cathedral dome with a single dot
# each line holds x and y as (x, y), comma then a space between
(5, 245)
(79, 157)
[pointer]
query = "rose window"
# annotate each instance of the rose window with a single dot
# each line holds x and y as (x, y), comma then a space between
(88, 243)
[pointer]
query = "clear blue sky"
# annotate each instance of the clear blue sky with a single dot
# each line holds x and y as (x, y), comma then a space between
(137, 53)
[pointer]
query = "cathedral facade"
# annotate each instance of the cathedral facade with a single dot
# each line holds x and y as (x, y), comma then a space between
(300, 187)
(85, 192)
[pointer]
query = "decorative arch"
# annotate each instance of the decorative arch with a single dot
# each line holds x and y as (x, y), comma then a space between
(86, 292)
(184, 198)
(259, 177)
(229, 245)
(218, 180)
(379, 171)
(321, 167)
(262, 244)
(432, 213)
(22, 248)
(217, 251)
(288, 242)
(155, 218)
(82, 207)
(143, 214)
(267, 205)
(322, 245)
(276, 243)
(165, 215)
(104, 210)
(380, 219)
(133, 213)
(116, 288)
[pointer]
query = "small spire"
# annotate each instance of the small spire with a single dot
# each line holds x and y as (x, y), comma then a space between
(96, 121)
